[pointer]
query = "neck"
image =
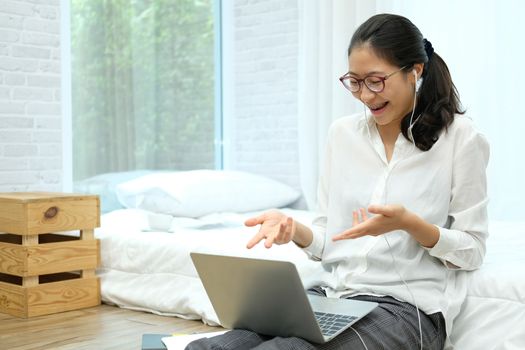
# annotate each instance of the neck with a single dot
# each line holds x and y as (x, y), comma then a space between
(389, 132)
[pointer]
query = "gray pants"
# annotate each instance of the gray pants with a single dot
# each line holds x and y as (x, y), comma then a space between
(391, 325)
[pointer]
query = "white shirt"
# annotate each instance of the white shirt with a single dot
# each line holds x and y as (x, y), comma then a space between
(446, 186)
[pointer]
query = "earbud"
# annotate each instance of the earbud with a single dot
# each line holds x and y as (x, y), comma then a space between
(417, 85)
(419, 81)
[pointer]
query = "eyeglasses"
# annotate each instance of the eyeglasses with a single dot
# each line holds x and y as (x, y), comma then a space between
(373, 83)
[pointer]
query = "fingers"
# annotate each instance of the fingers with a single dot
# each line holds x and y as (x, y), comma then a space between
(388, 219)
(372, 208)
(284, 235)
(340, 237)
(358, 228)
(288, 230)
(290, 225)
(355, 232)
(260, 235)
(272, 237)
(255, 240)
(277, 233)
(255, 221)
(381, 209)
(345, 235)
(355, 216)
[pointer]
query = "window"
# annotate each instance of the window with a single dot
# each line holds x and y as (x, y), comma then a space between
(143, 85)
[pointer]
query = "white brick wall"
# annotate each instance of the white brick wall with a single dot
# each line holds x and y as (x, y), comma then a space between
(30, 111)
(265, 73)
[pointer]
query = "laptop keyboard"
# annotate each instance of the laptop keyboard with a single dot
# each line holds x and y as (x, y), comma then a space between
(331, 324)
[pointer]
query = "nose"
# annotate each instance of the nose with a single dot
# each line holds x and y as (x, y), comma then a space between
(365, 95)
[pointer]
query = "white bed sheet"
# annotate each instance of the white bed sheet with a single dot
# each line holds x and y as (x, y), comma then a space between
(152, 271)
(493, 314)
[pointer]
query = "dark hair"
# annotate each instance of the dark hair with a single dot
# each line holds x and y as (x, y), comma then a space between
(398, 41)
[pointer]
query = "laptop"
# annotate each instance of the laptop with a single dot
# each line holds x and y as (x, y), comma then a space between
(268, 297)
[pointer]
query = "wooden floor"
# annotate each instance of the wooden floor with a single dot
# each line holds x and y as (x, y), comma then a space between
(101, 327)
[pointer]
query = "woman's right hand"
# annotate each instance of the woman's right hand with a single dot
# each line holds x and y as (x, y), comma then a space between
(276, 228)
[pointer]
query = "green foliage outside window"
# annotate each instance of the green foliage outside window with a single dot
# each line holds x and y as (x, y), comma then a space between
(142, 85)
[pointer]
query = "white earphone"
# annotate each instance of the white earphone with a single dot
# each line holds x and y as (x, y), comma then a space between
(418, 81)
(411, 136)
(417, 86)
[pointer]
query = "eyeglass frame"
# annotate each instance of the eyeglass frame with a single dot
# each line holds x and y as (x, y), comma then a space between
(362, 82)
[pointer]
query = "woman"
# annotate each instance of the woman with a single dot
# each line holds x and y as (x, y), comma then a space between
(402, 199)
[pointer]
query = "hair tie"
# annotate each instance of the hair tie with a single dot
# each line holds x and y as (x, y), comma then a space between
(428, 48)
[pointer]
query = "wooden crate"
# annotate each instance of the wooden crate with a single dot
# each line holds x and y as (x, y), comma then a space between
(48, 253)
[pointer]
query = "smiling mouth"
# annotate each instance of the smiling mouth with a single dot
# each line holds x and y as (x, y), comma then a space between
(377, 108)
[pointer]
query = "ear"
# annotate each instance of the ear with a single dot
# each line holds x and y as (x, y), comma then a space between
(418, 67)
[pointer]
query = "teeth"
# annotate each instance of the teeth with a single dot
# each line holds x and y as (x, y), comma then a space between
(378, 106)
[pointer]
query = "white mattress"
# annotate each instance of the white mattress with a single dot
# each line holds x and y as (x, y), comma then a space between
(493, 315)
(152, 271)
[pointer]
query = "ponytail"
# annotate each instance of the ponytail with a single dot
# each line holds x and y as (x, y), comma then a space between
(437, 103)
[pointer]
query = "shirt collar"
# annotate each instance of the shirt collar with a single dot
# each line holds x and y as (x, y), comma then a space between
(402, 148)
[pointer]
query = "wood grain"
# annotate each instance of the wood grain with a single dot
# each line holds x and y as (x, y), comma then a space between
(63, 296)
(63, 256)
(33, 213)
(102, 327)
(75, 214)
(46, 298)
(12, 217)
(12, 300)
(87, 234)
(43, 273)
(13, 259)
(29, 240)
(26, 197)
(48, 258)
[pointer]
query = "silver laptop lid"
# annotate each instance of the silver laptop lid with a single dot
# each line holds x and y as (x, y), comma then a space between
(265, 296)
(268, 297)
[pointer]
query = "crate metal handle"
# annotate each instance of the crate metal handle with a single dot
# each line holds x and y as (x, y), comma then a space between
(51, 212)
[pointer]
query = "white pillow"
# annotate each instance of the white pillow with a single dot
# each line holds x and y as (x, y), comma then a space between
(105, 186)
(200, 192)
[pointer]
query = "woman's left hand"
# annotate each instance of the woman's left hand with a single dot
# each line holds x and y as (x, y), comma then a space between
(388, 218)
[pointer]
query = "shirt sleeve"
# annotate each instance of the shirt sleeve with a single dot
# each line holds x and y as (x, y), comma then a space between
(316, 248)
(461, 244)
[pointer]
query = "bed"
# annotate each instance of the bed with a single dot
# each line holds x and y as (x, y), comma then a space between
(152, 271)
(145, 263)
(493, 315)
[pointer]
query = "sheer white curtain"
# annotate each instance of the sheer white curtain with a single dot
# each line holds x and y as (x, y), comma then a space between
(325, 31)
(482, 43)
